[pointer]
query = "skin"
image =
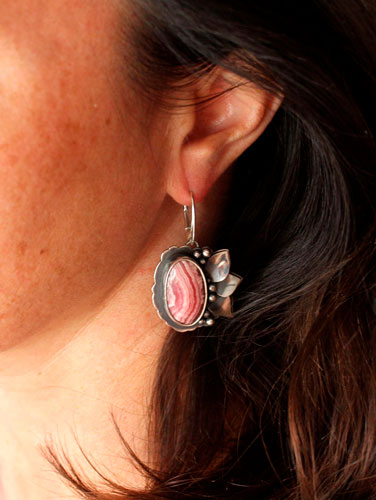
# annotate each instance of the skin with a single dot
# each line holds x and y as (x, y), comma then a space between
(92, 180)
(63, 153)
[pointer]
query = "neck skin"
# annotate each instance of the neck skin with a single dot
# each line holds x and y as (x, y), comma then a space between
(60, 386)
(67, 381)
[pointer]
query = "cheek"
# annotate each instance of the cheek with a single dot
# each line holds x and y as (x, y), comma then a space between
(71, 186)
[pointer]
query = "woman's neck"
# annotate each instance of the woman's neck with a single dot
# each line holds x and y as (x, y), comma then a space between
(62, 386)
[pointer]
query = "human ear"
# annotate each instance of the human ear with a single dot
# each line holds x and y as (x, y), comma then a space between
(209, 136)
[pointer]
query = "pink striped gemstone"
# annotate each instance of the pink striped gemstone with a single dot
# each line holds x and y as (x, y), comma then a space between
(185, 292)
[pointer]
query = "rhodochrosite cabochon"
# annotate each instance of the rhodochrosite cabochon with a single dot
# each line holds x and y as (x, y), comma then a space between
(192, 287)
(185, 291)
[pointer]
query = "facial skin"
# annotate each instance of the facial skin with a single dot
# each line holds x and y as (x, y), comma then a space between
(92, 180)
(75, 187)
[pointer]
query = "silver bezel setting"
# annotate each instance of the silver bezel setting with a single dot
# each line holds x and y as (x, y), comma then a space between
(168, 259)
(219, 284)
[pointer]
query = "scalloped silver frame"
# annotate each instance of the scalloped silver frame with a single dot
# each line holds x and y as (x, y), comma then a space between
(168, 259)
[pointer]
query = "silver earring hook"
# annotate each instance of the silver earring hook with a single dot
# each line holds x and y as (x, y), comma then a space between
(190, 223)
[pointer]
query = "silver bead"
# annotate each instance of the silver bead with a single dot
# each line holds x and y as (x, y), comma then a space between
(197, 254)
(206, 252)
(212, 288)
(203, 262)
(207, 314)
(202, 322)
(212, 298)
(210, 322)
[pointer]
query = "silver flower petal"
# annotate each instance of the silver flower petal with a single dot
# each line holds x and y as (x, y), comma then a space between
(218, 266)
(228, 286)
(221, 307)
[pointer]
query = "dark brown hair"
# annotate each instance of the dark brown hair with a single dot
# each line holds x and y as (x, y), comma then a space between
(280, 401)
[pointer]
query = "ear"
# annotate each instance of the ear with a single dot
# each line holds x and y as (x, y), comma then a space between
(208, 137)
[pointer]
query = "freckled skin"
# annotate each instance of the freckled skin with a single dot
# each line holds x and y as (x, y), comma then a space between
(73, 172)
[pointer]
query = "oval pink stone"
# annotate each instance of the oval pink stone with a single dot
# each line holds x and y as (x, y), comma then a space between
(185, 292)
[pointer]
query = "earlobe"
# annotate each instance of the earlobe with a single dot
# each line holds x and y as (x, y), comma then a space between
(220, 130)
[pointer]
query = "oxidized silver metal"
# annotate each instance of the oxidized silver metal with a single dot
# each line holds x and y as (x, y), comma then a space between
(168, 259)
(228, 286)
(214, 269)
(219, 265)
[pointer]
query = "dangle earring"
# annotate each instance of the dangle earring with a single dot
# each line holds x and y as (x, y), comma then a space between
(192, 285)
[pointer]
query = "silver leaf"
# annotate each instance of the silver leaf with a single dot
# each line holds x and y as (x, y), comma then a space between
(227, 287)
(221, 307)
(218, 266)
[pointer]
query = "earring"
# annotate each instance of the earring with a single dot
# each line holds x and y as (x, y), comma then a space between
(192, 285)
